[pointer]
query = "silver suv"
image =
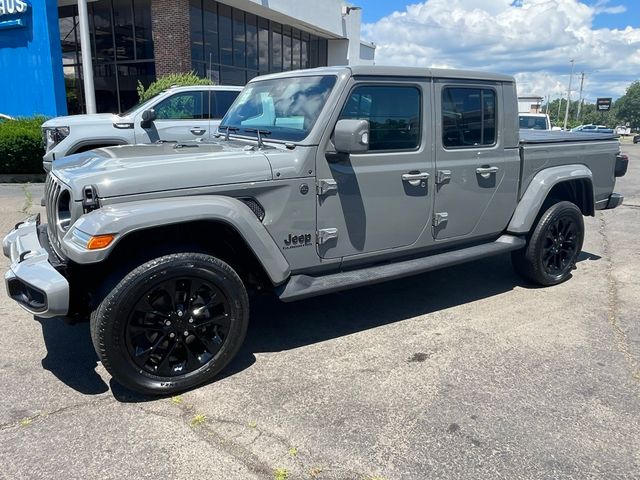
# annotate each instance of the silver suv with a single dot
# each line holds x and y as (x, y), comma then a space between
(177, 114)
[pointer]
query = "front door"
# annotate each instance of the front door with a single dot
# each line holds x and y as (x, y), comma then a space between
(180, 117)
(477, 178)
(380, 199)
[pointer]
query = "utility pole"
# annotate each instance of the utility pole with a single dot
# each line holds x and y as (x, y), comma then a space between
(566, 112)
(580, 97)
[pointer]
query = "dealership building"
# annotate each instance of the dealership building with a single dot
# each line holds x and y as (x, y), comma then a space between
(131, 41)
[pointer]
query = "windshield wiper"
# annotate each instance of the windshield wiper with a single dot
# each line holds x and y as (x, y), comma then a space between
(259, 132)
(229, 129)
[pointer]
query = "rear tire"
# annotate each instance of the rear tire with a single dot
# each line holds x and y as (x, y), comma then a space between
(171, 324)
(553, 247)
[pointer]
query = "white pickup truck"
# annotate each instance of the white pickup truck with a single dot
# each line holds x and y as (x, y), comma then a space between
(535, 121)
(176, 114)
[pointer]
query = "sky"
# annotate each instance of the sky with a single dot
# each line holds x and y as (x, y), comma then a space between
(534, 40)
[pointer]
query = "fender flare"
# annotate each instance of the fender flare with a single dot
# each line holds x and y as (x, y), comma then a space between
(124, 218)
(536, 193)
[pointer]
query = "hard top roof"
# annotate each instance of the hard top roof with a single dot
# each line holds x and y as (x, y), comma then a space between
(389, 71)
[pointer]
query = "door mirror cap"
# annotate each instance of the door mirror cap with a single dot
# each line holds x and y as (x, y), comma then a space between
(351, 136)
(148, 116)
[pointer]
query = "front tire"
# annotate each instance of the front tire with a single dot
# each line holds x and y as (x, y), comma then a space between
(554, 246)
(171, 324)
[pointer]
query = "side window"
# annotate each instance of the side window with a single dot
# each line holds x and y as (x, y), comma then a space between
(393, 113)
(183, 106)
(223, 101)
(468, 117)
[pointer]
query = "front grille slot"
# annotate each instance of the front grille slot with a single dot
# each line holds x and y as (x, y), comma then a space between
(52, 191)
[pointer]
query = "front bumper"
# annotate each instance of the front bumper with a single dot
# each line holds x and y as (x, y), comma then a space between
(31, 280)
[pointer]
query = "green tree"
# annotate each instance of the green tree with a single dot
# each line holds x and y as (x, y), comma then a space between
(628, 106)
(172, 80)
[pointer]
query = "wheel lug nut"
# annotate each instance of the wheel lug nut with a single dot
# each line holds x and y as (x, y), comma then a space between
(171, 335)
(180, 313)
(168, 323)
(186, 333)
(191, 320)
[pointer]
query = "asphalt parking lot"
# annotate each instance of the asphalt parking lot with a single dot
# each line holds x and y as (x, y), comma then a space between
(463, 373)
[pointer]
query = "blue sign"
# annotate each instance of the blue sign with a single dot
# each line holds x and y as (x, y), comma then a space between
(11, 13)
(31, 72)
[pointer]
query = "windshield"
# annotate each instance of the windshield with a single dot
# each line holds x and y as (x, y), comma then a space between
(282, 109)
(533, 123)
(138, 105)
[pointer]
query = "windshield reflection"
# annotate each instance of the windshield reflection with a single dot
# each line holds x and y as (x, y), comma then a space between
(284, 109)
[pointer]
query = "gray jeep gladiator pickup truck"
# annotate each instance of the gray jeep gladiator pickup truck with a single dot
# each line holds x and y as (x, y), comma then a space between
(320, 180)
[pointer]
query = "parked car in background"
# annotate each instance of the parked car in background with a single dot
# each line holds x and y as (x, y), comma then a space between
(622, 130)
(177, 114)
(5, 117)
(636, 138)
(535, 121)
(590, 128)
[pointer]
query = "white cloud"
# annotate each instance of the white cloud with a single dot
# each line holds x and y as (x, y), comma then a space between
(531, 39)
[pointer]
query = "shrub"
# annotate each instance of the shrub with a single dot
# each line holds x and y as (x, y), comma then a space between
(21, 147)
(167, 81)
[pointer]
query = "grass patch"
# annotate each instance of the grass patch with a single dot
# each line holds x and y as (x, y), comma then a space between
(177, 400)
(25, 422)
(28, 199)
(197, 420)
(293, 451)
(280, 474)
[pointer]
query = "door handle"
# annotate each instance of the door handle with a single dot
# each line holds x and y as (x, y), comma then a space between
(197, 131)
(486, 171)
(415, 179)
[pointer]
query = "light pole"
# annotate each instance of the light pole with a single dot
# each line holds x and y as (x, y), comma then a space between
(580, 97)
(566, 112)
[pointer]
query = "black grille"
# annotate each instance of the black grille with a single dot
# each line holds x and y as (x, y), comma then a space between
(255, 207)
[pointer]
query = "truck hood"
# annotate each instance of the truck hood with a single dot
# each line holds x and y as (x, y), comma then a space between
(84, 120)
(136, 169)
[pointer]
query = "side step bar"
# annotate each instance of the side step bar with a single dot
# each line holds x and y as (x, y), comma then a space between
(305, 286)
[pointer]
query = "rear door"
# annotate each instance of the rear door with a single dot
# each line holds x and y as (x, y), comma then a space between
(476, 178)
(380, 199)
(180, 117)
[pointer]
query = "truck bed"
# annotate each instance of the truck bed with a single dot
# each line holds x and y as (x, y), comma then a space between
(545, 136)
(544, 149)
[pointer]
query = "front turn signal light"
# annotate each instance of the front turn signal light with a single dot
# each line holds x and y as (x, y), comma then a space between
(99, 241)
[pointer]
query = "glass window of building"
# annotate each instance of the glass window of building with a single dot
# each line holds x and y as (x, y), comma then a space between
(228, 45)
(122, 51)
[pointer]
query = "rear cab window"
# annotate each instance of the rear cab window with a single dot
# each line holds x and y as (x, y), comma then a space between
(469, 117)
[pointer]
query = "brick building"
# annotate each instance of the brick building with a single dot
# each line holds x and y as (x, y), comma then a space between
(133, 41)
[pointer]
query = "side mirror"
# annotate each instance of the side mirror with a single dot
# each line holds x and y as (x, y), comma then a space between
(148, 116)
(351, 136)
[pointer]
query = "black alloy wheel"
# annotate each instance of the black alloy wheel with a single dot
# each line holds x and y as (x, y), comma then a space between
(553, 246)
(178, 326)
(172, 323)
(560, 245)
